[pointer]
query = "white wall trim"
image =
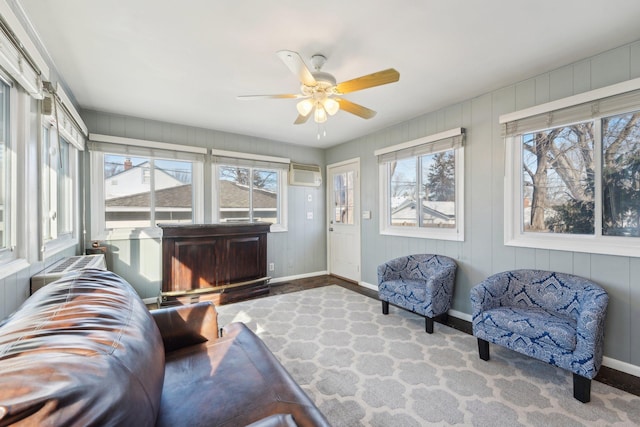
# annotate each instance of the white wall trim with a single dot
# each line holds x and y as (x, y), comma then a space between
(424, 140)
(368, 286)
(298, 276)
(460, 315)
(96, 137)
(618, 365)
(249, 156)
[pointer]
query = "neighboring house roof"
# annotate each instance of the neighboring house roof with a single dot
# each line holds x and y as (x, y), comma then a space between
(233, 195)
(444, 211)
(174, 197)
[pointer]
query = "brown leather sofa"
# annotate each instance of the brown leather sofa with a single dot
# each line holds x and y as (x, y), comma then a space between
(86, 351)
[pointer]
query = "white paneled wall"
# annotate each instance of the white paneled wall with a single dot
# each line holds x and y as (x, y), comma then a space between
(483, 251)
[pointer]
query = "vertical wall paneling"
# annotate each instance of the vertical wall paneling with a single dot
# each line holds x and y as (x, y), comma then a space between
(634, 303)
(483, 251)
(612, 273)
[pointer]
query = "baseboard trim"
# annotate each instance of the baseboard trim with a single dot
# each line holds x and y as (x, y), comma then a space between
(152, 300)
(621, 366)
(298, 276)
(368, 286)
(460, 315)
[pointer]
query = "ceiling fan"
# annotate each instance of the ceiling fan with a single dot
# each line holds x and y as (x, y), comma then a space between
(319, 92)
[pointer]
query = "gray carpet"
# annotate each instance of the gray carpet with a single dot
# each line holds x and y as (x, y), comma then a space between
(365, 369)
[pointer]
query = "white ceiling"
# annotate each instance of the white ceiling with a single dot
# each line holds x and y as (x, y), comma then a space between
(187, 61)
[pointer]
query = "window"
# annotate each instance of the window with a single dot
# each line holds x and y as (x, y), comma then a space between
(143, 185)
(137, 198)
(421, 187)
(343, 198)
(5, 175)
(249, 188)
(574, 177)
(59, 188)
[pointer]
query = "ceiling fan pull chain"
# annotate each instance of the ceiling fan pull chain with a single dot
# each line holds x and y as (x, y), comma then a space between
(322, 131)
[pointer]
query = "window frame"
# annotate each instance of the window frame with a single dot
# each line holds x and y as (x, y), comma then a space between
(9, 253)
(139, 148)
(514, 234)
(223, 158)
(60, 239)
(441, 142)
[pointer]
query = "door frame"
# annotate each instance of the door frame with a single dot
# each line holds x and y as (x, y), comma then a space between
(356, 213)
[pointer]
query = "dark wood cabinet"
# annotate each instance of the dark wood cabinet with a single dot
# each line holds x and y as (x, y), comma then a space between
(218, 262)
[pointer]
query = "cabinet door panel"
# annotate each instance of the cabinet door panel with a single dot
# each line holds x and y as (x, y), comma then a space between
(196, 264)
(246, 258)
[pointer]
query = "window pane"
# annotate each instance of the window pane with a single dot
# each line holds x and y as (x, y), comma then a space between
(4, 170)
(173, 194)
(558, 180)
(438, 193)
(343, 198)
(265, 196)
(65, 191)
(234, 196)
(127, 189)
(47, 172)
(621, 175)
(402, 191)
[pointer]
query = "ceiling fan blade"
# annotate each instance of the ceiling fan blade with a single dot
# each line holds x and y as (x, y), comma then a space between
(297, 66)
(357, 109)
(302, 119)
(370, 80)
(283, 96)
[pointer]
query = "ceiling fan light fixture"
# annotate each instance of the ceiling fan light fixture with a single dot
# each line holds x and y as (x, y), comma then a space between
(320, 115)
(331, 106)
(304, 107)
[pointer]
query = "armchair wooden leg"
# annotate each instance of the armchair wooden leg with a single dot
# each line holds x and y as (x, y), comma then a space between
(428, 325)
(483, 349)
(385, 307)
(581, 388)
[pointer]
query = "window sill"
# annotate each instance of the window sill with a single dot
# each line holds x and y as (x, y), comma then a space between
(13, 267)
(619, 246)
(278, 228)
(424, 233)
(129, 234)
(152, 233)
(56, 246)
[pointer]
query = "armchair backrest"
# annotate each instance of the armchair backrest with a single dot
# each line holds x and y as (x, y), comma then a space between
(417, 266)
(562, 293)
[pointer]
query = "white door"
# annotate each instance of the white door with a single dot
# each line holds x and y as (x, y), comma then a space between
(343, 240)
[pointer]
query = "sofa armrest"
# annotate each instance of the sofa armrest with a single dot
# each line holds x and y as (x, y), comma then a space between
(186, 325)
(490, 293)
(390, 270)
(590, 333)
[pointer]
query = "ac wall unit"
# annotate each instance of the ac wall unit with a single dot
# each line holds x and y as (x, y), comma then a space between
(309, 175)
(64, 266)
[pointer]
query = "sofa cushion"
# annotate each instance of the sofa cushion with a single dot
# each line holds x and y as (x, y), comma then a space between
(81, 351)
(232, 381)
(534, 323)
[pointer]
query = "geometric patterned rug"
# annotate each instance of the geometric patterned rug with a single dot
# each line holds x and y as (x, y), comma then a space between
(362, 368)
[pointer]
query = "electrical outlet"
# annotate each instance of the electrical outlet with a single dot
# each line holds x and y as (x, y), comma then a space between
(272, 266)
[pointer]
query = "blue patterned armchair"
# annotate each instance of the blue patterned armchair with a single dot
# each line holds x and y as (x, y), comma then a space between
(554, 317)
(420, 283)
